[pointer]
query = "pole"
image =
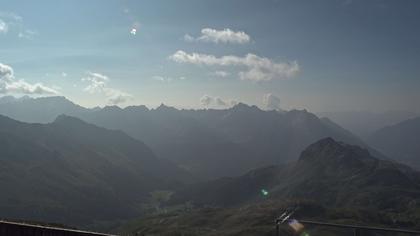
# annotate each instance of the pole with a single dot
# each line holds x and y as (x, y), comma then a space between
(277, 227)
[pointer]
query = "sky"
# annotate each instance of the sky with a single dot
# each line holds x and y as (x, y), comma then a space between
(327, 55)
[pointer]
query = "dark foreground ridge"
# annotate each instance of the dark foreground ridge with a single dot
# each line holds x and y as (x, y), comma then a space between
(13, 228)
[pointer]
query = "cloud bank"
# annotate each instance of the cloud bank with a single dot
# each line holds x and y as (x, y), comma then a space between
(9, 84)
(256, 68)
(220, 36)
(210, 101)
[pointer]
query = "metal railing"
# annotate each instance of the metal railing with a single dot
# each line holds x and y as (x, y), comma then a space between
(14, 228)
(357, 229)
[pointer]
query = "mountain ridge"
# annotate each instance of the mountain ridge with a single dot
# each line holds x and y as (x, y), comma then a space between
(242, 137)
(399, 141)
(76, 173)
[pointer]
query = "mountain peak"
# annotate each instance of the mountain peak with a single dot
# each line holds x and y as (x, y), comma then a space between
(301, 116)
(245, 107)
(327, 142)
(328, 151)
(111, 109)
(164, 107)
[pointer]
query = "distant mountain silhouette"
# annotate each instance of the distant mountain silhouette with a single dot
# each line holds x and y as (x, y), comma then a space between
(38, 110)
(364, 123)
(216, 143)
(328, 172)
(208, 143)
(399, 141)
(75, 173)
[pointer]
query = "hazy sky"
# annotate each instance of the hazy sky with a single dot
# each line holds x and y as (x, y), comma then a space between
(319, 55)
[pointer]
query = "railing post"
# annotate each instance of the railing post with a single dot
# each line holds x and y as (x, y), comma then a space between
(356, 232)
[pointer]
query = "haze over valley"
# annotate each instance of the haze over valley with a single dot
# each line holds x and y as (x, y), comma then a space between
(210, 118)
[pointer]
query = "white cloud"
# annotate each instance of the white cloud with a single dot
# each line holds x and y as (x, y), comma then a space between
(116, 96)
(63, 74)
(4, 27)
(216, 102)
(12, 23)
(271, 102)
(206, 100)
(220, 36)
(257, 68)
(99, 84)
(22, 87)
(27, 34)
(9, 84)
(6, 72)
(167, 79)
(189, 38)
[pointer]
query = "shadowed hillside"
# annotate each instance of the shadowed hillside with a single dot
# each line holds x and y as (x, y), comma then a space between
(76, 173)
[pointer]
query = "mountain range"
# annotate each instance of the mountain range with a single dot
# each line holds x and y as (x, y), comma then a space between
(95, 168)
(242, 137)
(38, 110)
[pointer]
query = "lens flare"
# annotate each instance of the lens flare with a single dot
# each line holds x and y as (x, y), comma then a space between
(296, 225)
(264, 192)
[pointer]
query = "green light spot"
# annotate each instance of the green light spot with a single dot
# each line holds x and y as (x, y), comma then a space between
(264, 192)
